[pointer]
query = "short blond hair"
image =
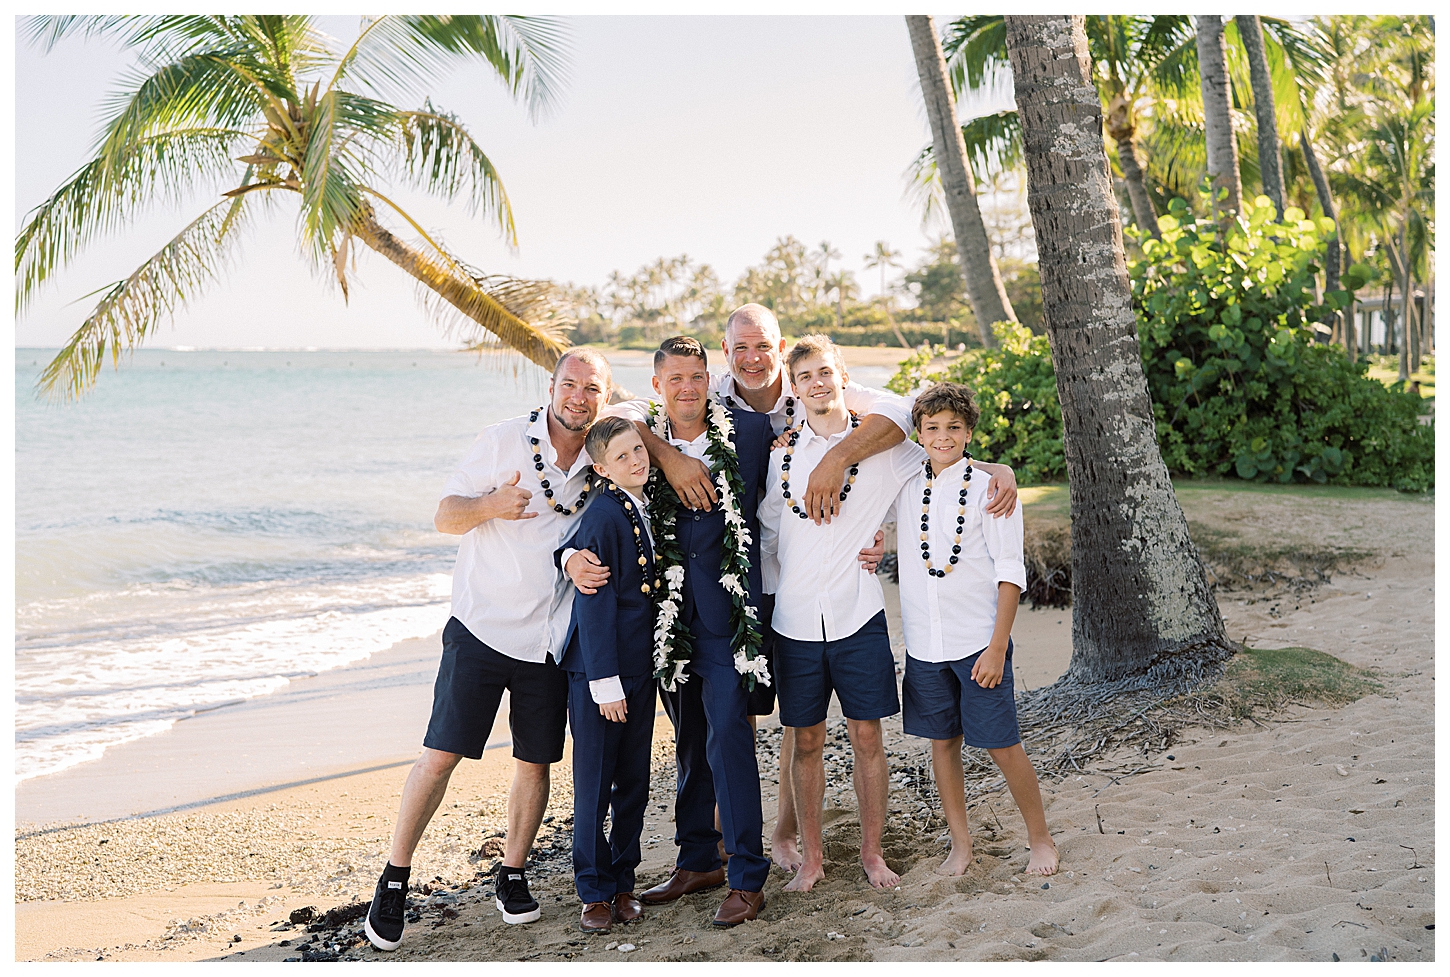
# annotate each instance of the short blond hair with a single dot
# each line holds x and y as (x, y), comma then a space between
(816, 344)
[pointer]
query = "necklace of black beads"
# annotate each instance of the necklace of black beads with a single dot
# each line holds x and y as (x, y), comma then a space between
(651, 579)
(961, 520)
(544, 481)
(785, 467)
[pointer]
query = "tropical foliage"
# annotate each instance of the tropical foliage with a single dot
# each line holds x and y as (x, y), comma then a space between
(252, 109)
(808, 289)
(1239, 386)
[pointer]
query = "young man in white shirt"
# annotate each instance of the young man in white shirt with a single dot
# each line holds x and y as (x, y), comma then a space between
(514, 500)
(830, 616)
(961, 580)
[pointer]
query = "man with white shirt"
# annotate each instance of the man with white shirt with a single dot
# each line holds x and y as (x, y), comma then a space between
(830, 616)
(514, 500)
(754, 382)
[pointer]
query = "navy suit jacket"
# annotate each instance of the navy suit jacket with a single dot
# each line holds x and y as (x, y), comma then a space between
(612, 630)
(700, 534)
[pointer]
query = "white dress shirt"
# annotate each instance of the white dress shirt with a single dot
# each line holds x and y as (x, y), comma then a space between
(611, 689)
(820, 587)
(862, 400)
(952, 617)
(505, 588)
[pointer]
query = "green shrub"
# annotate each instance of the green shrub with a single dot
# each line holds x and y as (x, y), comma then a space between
(1237, 382)
(1021, 422)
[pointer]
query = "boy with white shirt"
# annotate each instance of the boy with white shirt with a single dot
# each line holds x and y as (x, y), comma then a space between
(830, 617)
(959, 596)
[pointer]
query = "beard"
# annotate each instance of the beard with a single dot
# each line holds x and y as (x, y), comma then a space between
(563, 421)
(767, 380)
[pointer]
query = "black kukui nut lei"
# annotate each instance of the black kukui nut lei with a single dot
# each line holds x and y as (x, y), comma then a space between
(544, 482)
(651, 579)
(961, 520)
(785, 466)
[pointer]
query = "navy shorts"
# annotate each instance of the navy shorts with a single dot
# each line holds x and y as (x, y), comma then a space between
(858, 668)
(941, 702)
(762, 698)
(470, 685)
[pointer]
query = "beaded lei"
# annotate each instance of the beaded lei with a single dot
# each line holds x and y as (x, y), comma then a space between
(544, 482)
(785, 468)
(651, 579)
(961, 520)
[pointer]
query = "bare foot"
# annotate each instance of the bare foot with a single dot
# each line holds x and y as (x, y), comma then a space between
(804, 879)
(958, 861)
(877, 872)
(785, 853)
(1043, 860)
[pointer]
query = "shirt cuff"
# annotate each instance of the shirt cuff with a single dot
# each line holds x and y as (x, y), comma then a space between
(603, 690)
(569, 551)
(1014, 572)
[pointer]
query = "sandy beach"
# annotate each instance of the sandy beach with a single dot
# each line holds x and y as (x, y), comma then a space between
(1296, 836)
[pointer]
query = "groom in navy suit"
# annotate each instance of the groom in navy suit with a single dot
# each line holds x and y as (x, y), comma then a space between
(714, 744)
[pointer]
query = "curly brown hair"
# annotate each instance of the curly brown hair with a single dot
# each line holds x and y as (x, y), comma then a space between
(940, 398)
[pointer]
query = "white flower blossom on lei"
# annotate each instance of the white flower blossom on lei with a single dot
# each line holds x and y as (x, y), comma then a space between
(672, 641)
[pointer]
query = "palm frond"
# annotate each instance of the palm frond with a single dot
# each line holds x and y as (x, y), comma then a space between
(975, 49)
(200, 90)
(444, 159)
(335, 168)
(131, 309)
(107, 193)
(401, 56)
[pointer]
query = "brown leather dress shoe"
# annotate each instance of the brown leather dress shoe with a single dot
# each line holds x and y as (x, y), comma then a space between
(596, 917)
(681, 883)
(627, 908)
(738, 907)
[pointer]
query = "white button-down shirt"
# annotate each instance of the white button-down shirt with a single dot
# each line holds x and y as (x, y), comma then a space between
(505, 588)
(813, 570)
(952, 617)
(862, 400)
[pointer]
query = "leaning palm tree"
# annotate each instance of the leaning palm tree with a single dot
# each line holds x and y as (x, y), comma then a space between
(985, 290)
(254, 107)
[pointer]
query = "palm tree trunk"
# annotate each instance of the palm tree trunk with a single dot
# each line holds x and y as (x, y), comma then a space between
(1332, 258)
(1405, 300)
(1223, 148)
(465, 295)
(1144, 214)
(985, 290)
(1141, 607)
(1121, 129)
(1271, 166)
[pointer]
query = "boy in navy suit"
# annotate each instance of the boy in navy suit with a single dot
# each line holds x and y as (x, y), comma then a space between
(609, 657)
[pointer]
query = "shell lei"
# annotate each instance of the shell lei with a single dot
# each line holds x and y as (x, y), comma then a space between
(673, 643)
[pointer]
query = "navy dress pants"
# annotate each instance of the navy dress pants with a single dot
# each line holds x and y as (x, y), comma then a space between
(715, 760)
(611, 776)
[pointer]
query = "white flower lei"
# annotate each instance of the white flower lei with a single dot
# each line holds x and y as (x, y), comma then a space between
(673, 643)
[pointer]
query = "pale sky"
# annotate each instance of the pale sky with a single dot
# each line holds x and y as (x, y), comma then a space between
(710, 136)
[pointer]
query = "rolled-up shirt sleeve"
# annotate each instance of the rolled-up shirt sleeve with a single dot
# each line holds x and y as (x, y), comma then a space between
(869, 400)
(603, 690)
(478, 473)
(1004, 544)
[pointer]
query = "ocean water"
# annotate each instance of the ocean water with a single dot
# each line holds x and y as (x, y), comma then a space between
(207, 525)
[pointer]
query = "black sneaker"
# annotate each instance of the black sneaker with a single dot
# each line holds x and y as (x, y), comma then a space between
(511, 896)
(384, 922)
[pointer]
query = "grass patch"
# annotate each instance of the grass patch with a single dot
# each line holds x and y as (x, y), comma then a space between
(1259, 680)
